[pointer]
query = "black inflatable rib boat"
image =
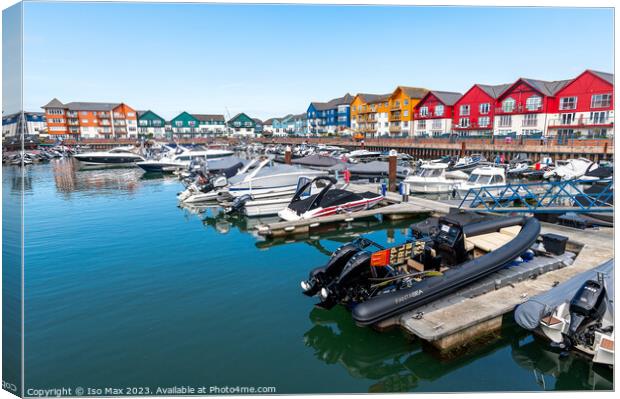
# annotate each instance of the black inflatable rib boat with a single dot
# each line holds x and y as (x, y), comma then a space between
(378, 283)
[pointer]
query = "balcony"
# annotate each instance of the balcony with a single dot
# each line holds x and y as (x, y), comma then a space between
(395, 129)
(103, 115)
(529, 123)
(395, 116)
(581, 123)
(72, 114)
(394, 106)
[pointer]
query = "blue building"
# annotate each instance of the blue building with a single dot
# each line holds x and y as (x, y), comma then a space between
(28, 123)
(331, 117)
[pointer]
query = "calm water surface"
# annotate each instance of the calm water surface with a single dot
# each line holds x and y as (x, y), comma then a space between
(125, 289)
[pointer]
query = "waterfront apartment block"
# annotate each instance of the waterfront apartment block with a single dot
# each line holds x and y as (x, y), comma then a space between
(90, 120)
(188, 125)
(27, 123)
(151, 125)
(474, 112)
(434, 113)
(331, 117)
(584, 107)
(369, 114)
(401, 109)
(242, 125)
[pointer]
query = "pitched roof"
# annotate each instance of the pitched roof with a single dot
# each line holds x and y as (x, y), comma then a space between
(447, 97)
(546, 87)
(413, 92)
(256, 120)
(268, 121)
(86, 106)
(374, 98)
(209, 117)
(494, 90)
(346, 99)
(55, 103)
(606, 76)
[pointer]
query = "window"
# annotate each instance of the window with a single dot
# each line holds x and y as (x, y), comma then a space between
(533, 103)
(55, 111)
(464, 122)
(599, 117)
(484, 108)
(191, 123)
(508, 105)
(143, 123)
(424, 111)
(405, 124)
(464, 110)
(439, 110)
(83, 113)
(601, 100)
(405, 102)
(84, 120)
(178, 123)
(57, 120)
(406, 113)
(436, 124)
(484, 121)
(505, 120)
(130, 114)
(530, 119)
(422, 124)
(568, 103)
(567, 119)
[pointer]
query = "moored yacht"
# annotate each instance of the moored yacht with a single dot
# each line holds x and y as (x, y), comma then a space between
(490, 177)
(434, 178)
(181, 158)
(119, 156)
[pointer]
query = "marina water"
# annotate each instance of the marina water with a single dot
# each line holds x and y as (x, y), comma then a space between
(125, 289)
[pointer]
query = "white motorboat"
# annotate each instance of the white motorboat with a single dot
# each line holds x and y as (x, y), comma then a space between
(362, 155)
(181, 158)
(329, 201)
(571, 169)
(490, 177)
(263, 180)
(119, 156)
(434, 178)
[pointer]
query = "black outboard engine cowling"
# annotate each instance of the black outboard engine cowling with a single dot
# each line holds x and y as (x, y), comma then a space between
(239, 203)
(588, 304)
(324, 275)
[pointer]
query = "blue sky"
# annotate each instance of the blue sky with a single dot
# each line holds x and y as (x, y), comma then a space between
(272, 60)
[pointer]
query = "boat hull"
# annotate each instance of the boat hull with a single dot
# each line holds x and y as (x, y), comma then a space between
(391, 304)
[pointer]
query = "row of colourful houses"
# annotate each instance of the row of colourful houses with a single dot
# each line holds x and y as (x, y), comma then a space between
(527, 107)
(113, 120)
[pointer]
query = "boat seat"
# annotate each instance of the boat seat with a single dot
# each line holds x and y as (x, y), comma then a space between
(512, 231)
(550, 320)
(469, 246)
(489, 242)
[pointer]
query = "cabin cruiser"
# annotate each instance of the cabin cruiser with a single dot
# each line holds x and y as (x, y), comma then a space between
(489, 177)
(377, 283)
(570, 169)
(181, 158)
(262, 180)
(329, 201)
(577, 314)
(119, 156)
(434, 178)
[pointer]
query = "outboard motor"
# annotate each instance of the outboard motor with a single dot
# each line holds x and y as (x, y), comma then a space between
(587, 305)
(239, 203)
(322, 276)
(345, 286)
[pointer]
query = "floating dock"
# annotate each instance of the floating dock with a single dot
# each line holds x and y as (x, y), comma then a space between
(462, 318)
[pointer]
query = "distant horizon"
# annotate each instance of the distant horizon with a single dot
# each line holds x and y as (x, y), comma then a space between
(273, 60)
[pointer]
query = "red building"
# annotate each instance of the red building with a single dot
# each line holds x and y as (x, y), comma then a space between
(433, 114)
(585, 107)
(474, 112)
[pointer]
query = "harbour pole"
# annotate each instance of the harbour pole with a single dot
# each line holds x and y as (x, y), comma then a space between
(392, 170)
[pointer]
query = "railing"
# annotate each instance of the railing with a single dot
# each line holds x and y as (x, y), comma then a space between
(72, 114)
(542, 197)
(582, 122)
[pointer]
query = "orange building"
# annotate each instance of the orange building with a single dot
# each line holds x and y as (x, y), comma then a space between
(401, 109)
(90, 120)
(369, 114)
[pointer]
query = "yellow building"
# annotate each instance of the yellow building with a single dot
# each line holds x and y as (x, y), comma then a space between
(369, 114)
(401, 104)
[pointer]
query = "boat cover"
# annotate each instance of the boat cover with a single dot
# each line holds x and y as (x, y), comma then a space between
(316, 160)
(377, 168)
(225, 163)
(529, 313)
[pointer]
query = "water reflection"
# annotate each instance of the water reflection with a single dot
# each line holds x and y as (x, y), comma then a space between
(19, 178)
(398, 365)
(69, 178)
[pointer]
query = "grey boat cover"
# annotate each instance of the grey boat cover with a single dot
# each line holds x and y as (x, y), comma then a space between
(529, 313)
(377, 168)
(225, 163)
(316, 160)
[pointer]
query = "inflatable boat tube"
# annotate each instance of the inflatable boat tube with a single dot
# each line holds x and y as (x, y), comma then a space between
(391, 304)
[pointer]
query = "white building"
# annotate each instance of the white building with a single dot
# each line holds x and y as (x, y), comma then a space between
(32, 123)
